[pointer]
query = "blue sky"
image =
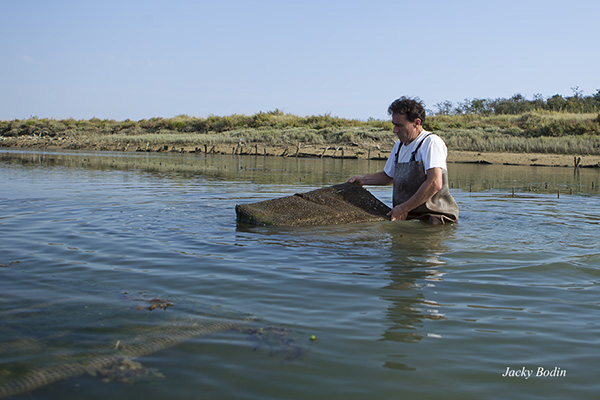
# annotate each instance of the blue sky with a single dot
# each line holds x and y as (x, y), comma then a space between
(142, 59)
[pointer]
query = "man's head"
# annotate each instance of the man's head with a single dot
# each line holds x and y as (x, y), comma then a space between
(407, 116)
(412, 108)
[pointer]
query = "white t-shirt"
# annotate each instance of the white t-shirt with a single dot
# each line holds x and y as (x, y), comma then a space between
(433, 153)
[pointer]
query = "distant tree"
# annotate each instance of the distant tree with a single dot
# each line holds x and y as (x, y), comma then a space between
(445, 108)
(518, 98)
(595, 102)
(518, 104)
(538, 102)
(578, 94)
(480, 107)
(575, 103)
(556, 103)
(506, 106)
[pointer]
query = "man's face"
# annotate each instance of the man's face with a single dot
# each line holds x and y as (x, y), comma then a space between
(406, 130)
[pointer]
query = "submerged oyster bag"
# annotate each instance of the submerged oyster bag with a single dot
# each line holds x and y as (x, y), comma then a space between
(337, 204)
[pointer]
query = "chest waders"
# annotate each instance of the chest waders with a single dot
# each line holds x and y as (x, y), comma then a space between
(408, 177)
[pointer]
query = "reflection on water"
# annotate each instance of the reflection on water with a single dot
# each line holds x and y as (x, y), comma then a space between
(91, 241)
(524, 178)
(415, 260)
(312, 171)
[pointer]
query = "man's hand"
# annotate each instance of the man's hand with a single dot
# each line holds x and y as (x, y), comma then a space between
(356, 179)
(430, 187)
(398, 213)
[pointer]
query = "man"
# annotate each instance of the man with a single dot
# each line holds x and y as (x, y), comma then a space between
(417, 168)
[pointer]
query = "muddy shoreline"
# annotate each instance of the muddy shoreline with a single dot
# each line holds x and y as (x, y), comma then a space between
(351, 151)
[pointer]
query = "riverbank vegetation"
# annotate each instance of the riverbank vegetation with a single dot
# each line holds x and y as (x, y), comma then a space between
(557, 125)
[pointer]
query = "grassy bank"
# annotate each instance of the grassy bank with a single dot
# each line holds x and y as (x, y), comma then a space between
(531, 132)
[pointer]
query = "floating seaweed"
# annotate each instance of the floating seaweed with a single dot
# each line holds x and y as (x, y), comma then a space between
(33, 358)
(275, 341)
(102, 363)
(126, 370)
(157, 303)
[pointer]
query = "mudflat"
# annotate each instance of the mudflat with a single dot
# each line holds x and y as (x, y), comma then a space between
(363, 151)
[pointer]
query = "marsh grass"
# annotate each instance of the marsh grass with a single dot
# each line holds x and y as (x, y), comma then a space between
(536, 131)
(482, 141)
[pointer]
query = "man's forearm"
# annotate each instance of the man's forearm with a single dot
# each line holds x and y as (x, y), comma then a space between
(378, 178)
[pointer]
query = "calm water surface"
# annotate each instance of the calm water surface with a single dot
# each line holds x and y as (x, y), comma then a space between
(89, 241)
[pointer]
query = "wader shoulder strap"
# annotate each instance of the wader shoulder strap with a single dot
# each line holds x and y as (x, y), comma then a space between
(414, 153)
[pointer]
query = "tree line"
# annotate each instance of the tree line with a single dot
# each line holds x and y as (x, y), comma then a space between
(519, 104)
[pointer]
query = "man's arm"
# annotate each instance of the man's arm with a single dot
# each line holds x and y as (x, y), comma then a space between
(378, 178)
(430, 187)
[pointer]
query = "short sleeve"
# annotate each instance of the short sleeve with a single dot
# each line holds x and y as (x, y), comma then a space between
(391, 161)
(434, 153)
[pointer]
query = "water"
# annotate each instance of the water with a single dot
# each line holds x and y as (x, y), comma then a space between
(397, 310)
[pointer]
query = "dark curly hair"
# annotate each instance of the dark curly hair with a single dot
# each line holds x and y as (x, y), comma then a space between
(412, 108)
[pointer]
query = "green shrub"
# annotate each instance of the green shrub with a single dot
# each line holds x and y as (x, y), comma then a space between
(177, 125)
(431, 125)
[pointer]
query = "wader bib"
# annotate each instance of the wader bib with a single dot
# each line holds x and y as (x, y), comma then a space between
(408, 177)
